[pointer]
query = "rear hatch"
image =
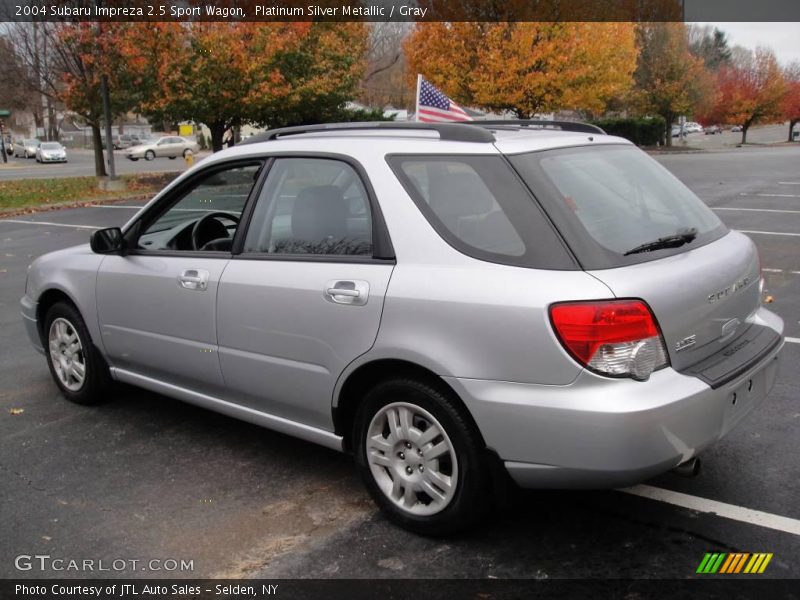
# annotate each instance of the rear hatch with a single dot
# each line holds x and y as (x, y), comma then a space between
(638, 229)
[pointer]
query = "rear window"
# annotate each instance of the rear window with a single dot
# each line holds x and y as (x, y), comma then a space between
(609, 201)
(481, 208)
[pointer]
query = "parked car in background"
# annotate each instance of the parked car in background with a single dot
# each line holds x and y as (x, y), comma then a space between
(736, 129)
(676, 131)
(170, 146)
(692, 127)
(713, 130)
(26, 148)
(500, 296)
(129, 140)
(51, 152)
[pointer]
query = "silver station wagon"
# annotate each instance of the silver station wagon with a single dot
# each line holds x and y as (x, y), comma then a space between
(448, 302)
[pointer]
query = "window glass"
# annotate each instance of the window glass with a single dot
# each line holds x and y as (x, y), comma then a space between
(612, 199)
(311, 206)
(479, 206)
(461, 200)
(206, 216)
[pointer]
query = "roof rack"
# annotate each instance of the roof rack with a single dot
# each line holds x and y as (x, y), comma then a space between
(577, 126)
(457, 132)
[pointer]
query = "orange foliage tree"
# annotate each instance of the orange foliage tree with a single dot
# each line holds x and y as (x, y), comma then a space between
(82, 54)
(751, 90)
(791, 102)
(525, 68)
(225, 74)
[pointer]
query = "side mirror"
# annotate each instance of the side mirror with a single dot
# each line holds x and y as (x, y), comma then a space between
(107, 241)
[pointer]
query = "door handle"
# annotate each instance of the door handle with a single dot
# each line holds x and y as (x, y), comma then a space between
(343, 292)
(347, 291)
(194, 279)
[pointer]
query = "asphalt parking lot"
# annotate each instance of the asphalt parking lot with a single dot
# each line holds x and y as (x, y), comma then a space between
(146, 477)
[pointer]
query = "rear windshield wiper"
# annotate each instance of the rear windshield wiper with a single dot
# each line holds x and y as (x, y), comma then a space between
(683, 236)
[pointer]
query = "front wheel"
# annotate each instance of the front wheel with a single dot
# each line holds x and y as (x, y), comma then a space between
(421, 458)
(149, 155)
(75, 364)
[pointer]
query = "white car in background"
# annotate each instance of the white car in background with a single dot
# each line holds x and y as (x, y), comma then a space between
(170, 146)
(51, 152)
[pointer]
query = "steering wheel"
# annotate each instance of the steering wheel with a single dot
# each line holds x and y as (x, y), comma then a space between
(209, 228)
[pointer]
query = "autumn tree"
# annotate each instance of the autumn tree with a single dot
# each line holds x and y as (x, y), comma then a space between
(670, 81)
(226, 74)
(525, 68)
(751, 90)
(65, 64)
(791, 101)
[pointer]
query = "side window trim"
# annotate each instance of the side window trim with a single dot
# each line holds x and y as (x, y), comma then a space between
(382, 249)
(147, 218)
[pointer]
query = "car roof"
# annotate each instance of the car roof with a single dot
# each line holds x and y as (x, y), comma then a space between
(417, 138)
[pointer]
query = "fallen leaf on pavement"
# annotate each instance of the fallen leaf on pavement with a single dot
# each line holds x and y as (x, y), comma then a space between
(16, 411)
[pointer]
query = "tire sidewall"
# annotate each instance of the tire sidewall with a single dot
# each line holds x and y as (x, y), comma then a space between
(96, 377)
(470, 496)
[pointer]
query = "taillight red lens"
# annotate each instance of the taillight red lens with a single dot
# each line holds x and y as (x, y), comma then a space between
(604, 335)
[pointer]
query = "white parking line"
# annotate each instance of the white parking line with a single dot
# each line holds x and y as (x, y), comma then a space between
(793, 340)
(789, 183)
(780, 271)
(767, 232)
(769, 210)
(48, 224)
(729, 511)
(771, 195)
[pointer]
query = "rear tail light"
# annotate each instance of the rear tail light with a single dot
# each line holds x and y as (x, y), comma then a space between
(618, 338)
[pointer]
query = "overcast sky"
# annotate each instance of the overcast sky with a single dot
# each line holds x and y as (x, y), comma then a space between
(783, 38)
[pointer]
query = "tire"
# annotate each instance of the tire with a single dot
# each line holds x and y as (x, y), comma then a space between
(187, 152)
(429, 495)
(149, 155)
(62, 324)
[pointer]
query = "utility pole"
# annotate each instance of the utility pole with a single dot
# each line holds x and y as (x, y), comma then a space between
(112, 173)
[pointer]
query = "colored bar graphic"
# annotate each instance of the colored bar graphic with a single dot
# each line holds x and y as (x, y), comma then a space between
(723, 563)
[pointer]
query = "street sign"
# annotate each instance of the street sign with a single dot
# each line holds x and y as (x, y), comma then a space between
(5, 114)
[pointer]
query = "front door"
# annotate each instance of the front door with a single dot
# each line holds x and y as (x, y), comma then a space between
(157, 304)
(304, 298)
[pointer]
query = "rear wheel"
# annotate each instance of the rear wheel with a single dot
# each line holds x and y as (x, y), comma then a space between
(420, 458)
(75, 364)
(149, 155)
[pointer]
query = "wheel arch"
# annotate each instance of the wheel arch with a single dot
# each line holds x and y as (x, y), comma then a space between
(367, 375)
(47, 299)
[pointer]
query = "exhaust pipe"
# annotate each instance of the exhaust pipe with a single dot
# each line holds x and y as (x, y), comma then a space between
(690, 468)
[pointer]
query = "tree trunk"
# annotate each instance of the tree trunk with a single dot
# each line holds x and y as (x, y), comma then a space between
(99, 163)
(792, 123)
(217, 132)
(668, 116)
(745, 127)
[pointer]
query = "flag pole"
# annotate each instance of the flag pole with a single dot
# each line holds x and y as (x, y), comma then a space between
(419, 86)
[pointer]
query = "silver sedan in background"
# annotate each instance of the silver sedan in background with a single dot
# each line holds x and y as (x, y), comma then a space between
(171, 146)
(26, 148)
(51, 152)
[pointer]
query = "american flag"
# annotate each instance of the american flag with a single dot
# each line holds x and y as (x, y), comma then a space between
(434, 107)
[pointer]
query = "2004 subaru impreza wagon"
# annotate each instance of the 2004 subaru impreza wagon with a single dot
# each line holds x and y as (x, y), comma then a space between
(436, 299)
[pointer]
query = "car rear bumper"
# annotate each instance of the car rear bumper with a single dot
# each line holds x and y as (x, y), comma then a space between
(28, 306)
(599, 432)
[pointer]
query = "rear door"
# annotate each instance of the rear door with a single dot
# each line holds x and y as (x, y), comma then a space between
(304, 297)
(635, 227)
